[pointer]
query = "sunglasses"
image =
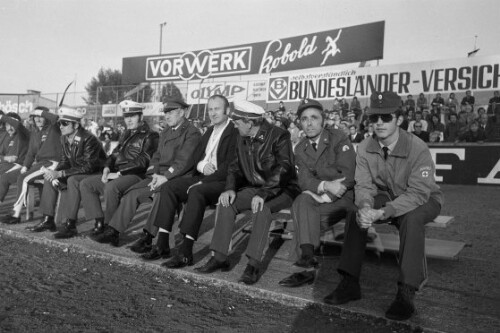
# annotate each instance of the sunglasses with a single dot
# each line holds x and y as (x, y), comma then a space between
(386, 118)
(64, 123)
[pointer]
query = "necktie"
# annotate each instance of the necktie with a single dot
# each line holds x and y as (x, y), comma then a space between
(386, 152)
(315, 146)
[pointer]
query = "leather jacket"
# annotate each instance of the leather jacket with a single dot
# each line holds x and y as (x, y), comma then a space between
(134, 151)
(83, 156)
(265, 162)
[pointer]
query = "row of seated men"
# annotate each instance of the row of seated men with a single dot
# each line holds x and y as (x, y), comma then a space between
(242, 164)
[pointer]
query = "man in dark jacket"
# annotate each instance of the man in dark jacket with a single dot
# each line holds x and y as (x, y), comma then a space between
(125, 167)
(172, 159)
(212, 158)
(13, 152)
(261, 178)
(81, 155)
(325, 162)
(44, 151)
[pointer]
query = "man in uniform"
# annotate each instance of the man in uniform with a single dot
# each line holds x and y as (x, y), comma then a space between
(325, 161)
(125, 167)
(212, 158)
(261, 178)
(173, 158)
(394, 183)
(44, 151)
(13, 152)
(82, 155)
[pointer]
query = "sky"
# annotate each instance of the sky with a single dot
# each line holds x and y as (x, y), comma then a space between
(45, 44)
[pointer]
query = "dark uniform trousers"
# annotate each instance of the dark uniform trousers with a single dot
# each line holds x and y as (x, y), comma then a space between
(261, 222)
(310, 218)
(174, 193)
(411, 228)
(70, 198)
(133, 197)
(92, 187)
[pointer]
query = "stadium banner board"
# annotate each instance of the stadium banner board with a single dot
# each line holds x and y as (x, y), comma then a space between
(327, 48)
(247, 90)
(18, 103)
(467, 164)
(476, 74)
(110, 110)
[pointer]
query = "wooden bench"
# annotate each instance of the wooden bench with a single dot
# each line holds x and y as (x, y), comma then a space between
(382, 242)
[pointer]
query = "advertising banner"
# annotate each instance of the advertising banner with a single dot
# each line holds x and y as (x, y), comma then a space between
(327, 48)
(110, 110)
(248, 90)
(467, 164)
(477, 74)
(18, 103)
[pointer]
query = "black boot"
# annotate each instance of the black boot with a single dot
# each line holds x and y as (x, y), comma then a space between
(46, 224)
(184, 256)
(347, 290)
(143, 244)
(10, 219)
(161, 250)
(250, 276)
(67, 230)
(402, 307)
(110, 235)
(99, 226)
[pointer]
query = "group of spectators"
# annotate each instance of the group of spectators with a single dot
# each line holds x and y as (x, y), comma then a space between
(244, 161)
(438, 121)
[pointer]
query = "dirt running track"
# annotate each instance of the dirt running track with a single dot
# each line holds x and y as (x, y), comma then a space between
(45, 289)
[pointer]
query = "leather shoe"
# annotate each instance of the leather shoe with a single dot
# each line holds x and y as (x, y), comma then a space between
(250, 275)
(298, 279)
(99, 228)
(110, 235)
(347, 290)
(9, 219)
(47, 224)
(156, 253)
(178, 261)
(68, 230)
(143, 244)
(307, 262)
(402, 307)
(213, 265)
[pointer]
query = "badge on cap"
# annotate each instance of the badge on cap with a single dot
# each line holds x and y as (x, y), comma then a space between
(171, 170)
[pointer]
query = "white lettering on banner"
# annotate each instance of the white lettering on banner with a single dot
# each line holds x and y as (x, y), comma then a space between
(270, 62)
(24, 107)
(206, 63)
(198, 93)
(490, 178)
(460, 152)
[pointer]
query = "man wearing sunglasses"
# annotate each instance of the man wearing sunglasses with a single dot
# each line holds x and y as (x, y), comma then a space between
(126, 166)
(394, 184)
(44, 151)
(173, 158)
(81, 155)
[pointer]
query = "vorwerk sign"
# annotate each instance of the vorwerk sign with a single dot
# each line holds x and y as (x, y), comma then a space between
(327, 48)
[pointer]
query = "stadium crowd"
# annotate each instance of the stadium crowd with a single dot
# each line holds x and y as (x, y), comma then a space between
(246, 159)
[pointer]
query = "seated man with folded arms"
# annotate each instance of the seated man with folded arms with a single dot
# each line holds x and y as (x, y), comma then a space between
(326, 162)
(261, 178)
(125, 167)
(44, 151)
(81, 155)
(212, 157)
(394, 183)
(13, 151)
(173, 158)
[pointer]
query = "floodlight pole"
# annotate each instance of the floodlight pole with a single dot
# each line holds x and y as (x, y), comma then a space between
(161, 33)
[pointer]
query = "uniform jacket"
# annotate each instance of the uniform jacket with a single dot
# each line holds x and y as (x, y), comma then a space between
(226, 151)
(83, 156)
(45, 144)
(134, 151)
(174, 156)
(334, 159)
(265, 162)
(407, 175)
(17, 145)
